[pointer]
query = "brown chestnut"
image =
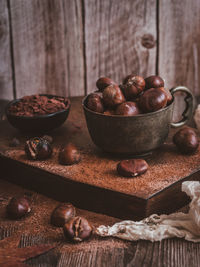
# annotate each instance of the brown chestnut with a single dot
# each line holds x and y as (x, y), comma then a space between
(132, 167)
(186, 140)
(62, 214)
(133, 86)
(18, 207)
(103, 82)
(69, 155)
(77, 229)
(38, 148)
(152, 100)
(154, 81)
(109, 112)
(112, 96)
(95, 103)
(127, 109)
(168, 94)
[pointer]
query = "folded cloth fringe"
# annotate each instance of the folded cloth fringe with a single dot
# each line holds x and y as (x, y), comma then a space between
(158, 227)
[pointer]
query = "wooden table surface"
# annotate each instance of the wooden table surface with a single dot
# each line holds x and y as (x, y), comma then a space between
(95, 252)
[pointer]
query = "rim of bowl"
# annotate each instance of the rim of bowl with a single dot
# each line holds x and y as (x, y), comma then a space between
(126, 116)
(37, 116)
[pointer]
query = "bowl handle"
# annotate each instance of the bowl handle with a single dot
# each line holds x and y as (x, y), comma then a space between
(189, 101)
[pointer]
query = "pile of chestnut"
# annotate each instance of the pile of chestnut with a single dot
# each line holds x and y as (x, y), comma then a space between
(134, 96)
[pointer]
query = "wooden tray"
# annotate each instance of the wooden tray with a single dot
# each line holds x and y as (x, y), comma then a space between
(94, 184)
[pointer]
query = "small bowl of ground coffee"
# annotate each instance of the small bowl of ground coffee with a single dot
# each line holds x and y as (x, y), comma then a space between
(38, 113)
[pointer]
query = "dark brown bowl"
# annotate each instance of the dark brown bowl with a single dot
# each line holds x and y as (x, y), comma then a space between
(39, 123)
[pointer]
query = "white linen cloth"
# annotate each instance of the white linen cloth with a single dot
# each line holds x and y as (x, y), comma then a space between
(158, 227)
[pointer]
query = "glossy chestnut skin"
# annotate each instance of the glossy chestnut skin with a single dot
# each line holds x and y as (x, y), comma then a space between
(112, 96)
(154, 81)
(62, 214)
(103, 82)
(152, 100)
(133, 86)
(127, 109)
(186, 140)
(168, 94)
(18, 207)
(95, 103)
(38, 149)
(69, 155)
(77, 229)
(132, 167)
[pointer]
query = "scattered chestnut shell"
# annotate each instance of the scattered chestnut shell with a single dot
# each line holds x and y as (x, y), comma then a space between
(132, 167)
(69, 155)
(112, 96)
(103, 82)
(168, 94)
(186, 140)
(154, 81)
(127, 109)
(38, 148)
(95, 103)
(133, 86)
(18, 207)
(77, 229)
(152, 100)
(62, 213)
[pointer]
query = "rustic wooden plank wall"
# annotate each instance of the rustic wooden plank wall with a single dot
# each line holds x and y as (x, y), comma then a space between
(62, 46)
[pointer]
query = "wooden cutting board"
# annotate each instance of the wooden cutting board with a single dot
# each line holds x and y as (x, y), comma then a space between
(94, 184)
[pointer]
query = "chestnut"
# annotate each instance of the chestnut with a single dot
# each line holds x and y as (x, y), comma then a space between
(38, 148)
(18, 207)
(77, 229)
(62, 213)
(69, 155)
(109, 112)
(112, 96)
(95, 103)
(154, 81)
(186, 140)
(133, 86)
(168, 94)
(152, 100)
(132, 167)
(103, 82)
(127, 109)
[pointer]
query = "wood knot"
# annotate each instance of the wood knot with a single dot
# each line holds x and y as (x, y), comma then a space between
(148, 41)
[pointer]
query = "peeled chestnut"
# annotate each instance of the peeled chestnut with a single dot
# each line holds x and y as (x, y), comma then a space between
(112, 96)
(133, 86)
(168, 94)
(77, 229)
(186, 140)
(38, 148)
(152, 100)
(62, 214)
(103, 82)
(127, 109)
(69, 155)
(153, 82)
(95, 103)
(132, 167)
(18, 207)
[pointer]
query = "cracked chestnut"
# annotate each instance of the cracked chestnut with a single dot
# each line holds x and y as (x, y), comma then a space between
(95, 103)
(133, 86)
(77, 229)
(127, 109)
(69, 155)
(153, 81)
(38, 148)
(112, 96)
(18, 207)
(103, 82)
(132, 167)
(186, 140)
(62, 214)
(152, 100)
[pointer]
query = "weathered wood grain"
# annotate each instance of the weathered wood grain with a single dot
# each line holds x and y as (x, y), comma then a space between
(114, 34)
(6, 81)
(179, 50)
(47, 42)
